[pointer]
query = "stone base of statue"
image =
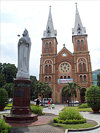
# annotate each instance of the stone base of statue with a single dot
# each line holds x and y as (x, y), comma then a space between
(21, 111)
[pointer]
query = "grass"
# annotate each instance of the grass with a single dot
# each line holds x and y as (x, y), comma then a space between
(8, 106)
(75, 126)
(80, 109)
(85, 109)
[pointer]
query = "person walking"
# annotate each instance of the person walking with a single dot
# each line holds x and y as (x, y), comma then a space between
(38, 101)
(49, 104)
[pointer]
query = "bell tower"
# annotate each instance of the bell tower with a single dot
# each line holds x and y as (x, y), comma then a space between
(82, 62)
(49, 52)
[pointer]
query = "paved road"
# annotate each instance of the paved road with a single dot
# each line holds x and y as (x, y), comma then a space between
(91, 116)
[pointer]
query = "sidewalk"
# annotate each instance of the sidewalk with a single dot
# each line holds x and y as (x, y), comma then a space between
(41, 119)
(91, 116)
(51, 129)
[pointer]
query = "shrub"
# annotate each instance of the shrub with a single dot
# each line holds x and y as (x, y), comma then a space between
(57, 120)
(70, 114)
(3, 127)
(92, 96)
(3, 97)
(37, 109)
(84, 105)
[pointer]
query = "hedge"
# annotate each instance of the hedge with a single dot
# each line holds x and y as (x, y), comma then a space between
(57, 120)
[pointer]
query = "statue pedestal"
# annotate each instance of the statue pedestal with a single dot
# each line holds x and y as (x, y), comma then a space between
(21, 102)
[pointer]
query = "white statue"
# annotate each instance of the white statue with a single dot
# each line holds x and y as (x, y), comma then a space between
(24, 47)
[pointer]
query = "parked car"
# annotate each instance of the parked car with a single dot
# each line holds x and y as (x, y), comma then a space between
(45, 100)
(10, 100)
(74, 101)
(35, 100)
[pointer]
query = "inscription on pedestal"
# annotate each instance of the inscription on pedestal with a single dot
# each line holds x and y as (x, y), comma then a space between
(19, 93)
(22, 85)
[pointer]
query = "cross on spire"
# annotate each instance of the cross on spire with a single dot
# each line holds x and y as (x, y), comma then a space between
(50, 32)
(78, 28)
(76, 4)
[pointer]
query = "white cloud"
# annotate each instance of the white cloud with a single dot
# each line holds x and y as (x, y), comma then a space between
(33, 16)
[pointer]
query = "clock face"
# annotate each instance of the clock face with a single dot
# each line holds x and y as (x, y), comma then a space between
(64, 54)
(64, 67)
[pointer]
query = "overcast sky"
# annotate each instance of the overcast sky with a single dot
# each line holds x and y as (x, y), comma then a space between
(33, 15)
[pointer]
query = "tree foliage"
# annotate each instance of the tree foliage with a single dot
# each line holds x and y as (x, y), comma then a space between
(43, 89)
(2, 80)
(34, 82)
(3, 97)
(9, 71)
(98, 79)
(70, 90)
(9, 87)
(92, 96)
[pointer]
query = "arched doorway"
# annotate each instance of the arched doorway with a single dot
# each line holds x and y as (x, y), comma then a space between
(82, 95)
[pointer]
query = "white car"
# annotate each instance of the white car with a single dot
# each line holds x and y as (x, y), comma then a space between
(74, 101)
(10, 100)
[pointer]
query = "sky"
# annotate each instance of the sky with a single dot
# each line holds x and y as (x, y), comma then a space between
(33, 15)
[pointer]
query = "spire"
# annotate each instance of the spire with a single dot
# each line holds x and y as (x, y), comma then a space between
(78, 28)
(49, 32)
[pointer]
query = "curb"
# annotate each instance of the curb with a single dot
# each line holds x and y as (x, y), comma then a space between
(83, 129)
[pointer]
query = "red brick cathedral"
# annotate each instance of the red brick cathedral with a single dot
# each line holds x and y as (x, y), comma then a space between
(57, 69)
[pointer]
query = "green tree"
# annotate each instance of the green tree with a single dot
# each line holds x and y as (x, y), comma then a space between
(9, 87)
(47, 90)
(3, 97)
(34, 82)
(98, 79)
(9, 71)
(92, 96)
(70, 89)
(43, 89)
(39, 89)
(2, 80)
(1, 67)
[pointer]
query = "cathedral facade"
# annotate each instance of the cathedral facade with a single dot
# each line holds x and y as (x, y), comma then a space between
(57, 69)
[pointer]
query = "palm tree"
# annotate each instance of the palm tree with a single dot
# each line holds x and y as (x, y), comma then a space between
(70, 89)
(43, 89)
(47, 90)
(39, 89)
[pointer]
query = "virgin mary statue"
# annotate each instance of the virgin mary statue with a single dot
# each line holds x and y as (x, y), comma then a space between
(24, 47)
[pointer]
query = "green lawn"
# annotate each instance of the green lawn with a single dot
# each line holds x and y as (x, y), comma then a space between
(9, 106)
(75, 126)
(80, 109)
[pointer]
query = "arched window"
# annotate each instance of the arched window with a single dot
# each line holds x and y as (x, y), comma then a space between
(68, 77)
(80, 67)
(49, 46)
(84, 78)
(49, 68)
(61, 77)
(82, 44)
(46, 47)
(49, 79)
(80, 78)
(84, 67)
(45, 79)
(46, 69)
(78, 43)
(64, 77)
